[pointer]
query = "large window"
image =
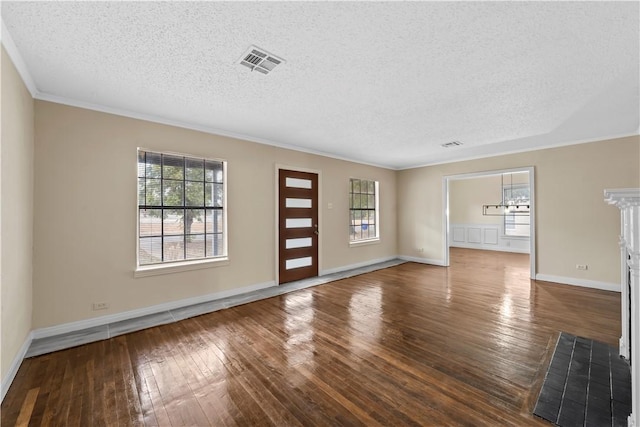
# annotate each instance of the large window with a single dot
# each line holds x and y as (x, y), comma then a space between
(181, 203)
(363, 210)
(517, 218)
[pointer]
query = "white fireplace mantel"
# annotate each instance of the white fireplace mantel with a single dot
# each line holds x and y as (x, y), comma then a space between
(628, 201)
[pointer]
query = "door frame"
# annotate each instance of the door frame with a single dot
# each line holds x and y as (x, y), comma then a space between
(278, 167)
(532, 221)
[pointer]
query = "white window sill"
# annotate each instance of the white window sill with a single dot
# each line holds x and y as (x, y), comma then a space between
(177, 267)
(505, 236)
(365, 242)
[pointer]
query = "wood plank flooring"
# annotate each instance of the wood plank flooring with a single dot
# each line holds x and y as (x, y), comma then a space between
(408, 345)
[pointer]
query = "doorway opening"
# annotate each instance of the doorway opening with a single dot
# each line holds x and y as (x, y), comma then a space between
(510, 231)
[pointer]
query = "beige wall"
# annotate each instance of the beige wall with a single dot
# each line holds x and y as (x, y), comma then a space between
(573, 224)
(466, 197)
(16, 215)
(85, 220)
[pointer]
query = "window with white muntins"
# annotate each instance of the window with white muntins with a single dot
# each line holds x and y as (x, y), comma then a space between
(363, 210)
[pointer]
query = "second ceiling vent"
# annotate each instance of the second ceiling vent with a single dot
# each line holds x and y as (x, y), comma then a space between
(451, 144)
(260, 60)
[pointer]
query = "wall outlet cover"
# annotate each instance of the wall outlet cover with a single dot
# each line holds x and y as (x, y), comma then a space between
(100, 306)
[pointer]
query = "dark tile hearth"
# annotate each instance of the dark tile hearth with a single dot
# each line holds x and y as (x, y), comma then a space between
(587, 384)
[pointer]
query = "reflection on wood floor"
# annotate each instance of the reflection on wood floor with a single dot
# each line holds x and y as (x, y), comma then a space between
(408, 345)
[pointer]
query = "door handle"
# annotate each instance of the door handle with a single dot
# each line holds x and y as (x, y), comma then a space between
(316, 229)
(317, 232)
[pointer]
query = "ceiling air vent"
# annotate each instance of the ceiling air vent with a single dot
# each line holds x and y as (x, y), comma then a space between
(260, 60)
(452, 144)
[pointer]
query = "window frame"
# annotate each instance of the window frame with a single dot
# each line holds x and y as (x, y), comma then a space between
(368, 240)
(171, 266)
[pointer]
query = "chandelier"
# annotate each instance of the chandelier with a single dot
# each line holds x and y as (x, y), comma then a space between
(513, 204)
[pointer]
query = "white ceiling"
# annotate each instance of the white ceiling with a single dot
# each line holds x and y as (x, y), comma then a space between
(379, 83)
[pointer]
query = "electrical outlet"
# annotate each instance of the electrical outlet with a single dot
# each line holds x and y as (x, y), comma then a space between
(100, 306)
(420, 250)
(582, 267)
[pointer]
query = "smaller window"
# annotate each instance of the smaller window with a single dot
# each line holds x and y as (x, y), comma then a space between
(363, 210)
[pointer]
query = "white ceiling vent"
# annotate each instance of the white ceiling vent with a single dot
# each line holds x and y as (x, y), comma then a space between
(452, 144)
(260, 60)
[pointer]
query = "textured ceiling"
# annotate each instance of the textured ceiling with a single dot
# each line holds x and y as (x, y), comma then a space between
(380, 83)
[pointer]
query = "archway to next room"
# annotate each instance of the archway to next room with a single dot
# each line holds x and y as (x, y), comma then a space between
(491, 211)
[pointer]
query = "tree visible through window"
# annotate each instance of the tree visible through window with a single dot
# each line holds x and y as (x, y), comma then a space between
(180, 208)
(363, 210)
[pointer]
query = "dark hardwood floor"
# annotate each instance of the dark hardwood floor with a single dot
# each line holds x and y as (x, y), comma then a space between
(408, 345)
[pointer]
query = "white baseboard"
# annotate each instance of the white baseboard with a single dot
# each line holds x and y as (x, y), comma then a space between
(172, 305)
(615, 287)
(15, 365)
(356, 265)
(489, 248)
(437, 262)
(132, 314)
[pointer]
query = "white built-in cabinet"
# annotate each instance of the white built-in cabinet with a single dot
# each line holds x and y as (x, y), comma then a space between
(628, 201)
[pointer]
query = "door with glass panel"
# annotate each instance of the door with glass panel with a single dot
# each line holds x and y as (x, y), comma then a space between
(297, 225)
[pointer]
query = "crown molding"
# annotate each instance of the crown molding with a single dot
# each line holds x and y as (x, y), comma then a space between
(42, 96)
(523, 150)
(220, 132)
(18, 61)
